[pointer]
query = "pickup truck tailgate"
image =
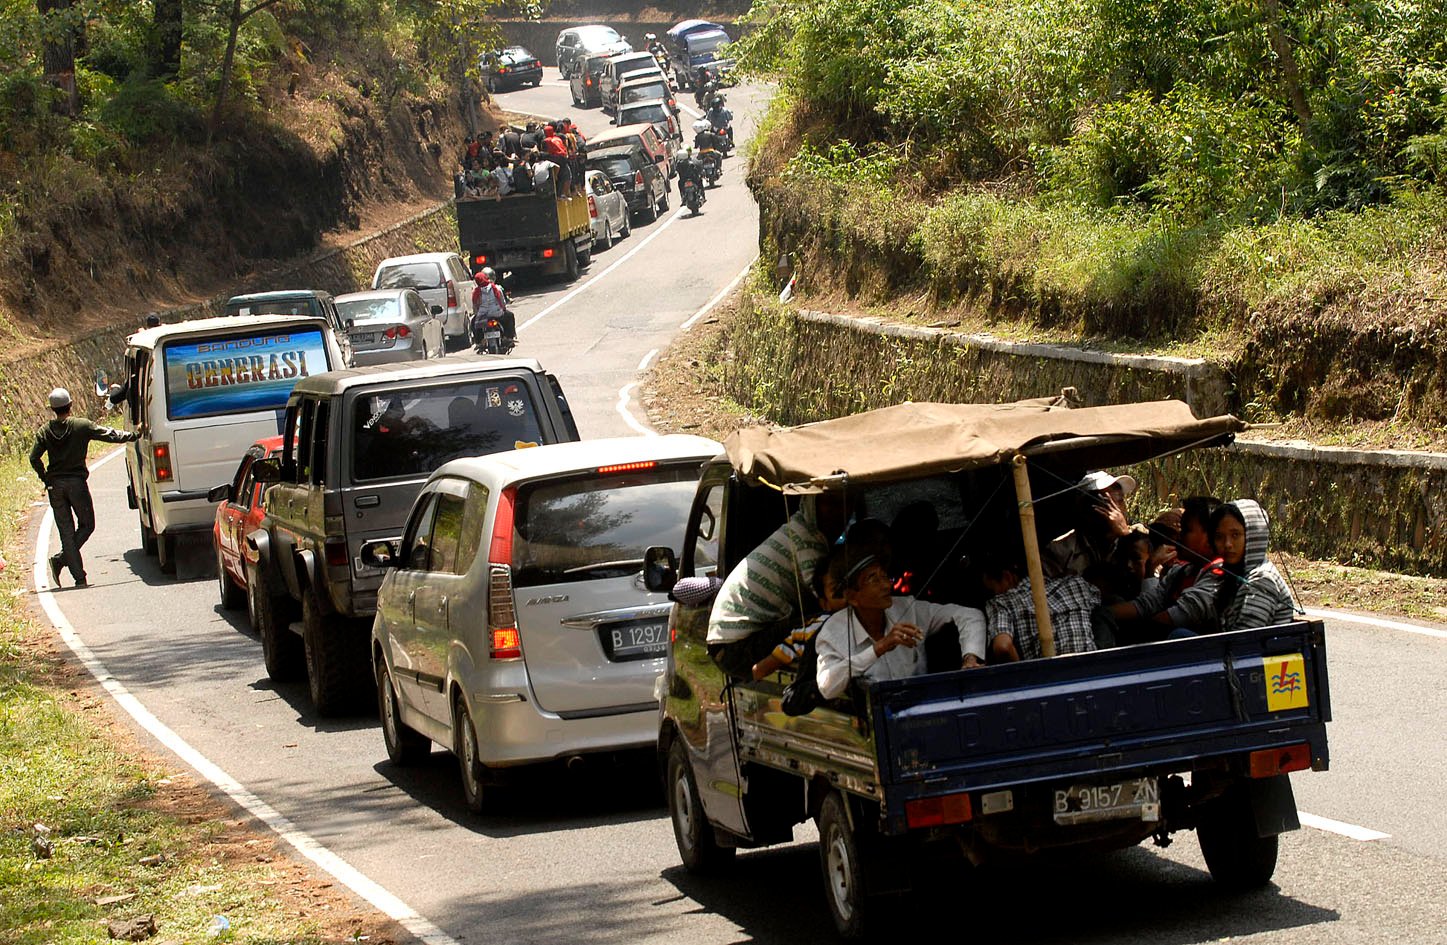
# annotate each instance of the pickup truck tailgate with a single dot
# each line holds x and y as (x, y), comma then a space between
(1098, 713)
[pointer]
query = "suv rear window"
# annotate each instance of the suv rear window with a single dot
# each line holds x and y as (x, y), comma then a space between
(585, 529)
(411, 276)
(412, 432)
(614, 165)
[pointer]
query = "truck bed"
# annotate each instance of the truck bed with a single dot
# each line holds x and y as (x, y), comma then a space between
(520, 221)
(1151, 708)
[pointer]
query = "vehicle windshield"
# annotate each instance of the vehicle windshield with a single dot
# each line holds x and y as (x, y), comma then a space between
(643, 93)
(591, 528)
(370, 310)
(597, 65)
(614, 165)
(412, 432)
(653, 112)
(304, 306)
(240, 373)
(598, 36)
(706, 42)
(419, 275)
(516, 53)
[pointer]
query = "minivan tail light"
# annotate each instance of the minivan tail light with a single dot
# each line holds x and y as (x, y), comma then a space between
(451, 294)
(592, 207)
(161, 452)
(506, 643)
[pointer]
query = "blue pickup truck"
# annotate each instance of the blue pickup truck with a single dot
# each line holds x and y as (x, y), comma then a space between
(1102, 749)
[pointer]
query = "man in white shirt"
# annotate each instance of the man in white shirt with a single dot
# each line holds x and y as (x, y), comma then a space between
(877, 635)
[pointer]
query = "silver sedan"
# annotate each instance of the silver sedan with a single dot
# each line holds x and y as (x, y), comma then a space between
(608, 210)
(387, 325)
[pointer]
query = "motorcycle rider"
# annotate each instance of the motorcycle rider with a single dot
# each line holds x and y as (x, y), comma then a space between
(705, 87)
(721, 118)
(689, 168)
(657, 50)
(489, 301)
(706, 144)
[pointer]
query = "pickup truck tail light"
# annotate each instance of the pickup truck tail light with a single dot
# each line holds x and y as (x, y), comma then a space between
(161, 452)
(451, 294)
(1270, 762)
(337, 554)
(592, 207)
(938, 811)
(480, 260)
(506, 643)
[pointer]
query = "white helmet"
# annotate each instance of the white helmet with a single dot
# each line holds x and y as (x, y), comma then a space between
(491, 275)
(702, 125)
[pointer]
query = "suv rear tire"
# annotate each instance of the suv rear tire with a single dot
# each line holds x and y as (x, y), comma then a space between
(331, 664)
(281, 650)
(405, 745)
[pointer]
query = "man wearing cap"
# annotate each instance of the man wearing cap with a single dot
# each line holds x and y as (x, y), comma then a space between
(67, 439)
(1101, 521)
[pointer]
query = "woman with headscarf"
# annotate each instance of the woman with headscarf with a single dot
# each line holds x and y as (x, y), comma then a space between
(1241, 589)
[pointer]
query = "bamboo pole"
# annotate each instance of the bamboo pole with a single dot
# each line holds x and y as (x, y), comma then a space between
(1043, 627)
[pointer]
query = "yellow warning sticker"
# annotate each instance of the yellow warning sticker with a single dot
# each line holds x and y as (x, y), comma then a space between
(1285, 682)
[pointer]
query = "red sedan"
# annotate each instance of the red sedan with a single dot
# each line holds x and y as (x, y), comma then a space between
(236, 516)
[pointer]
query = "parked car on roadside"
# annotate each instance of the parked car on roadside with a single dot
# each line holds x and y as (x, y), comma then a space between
(608, 210)
(634, 176)
(513, 626)
(578, 42)
(584, 83)
(238, 514)
(441, 279)
(512, 67)
(392, 325)
(358, 446)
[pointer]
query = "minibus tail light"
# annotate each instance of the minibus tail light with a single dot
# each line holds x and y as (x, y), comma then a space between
(161, 452)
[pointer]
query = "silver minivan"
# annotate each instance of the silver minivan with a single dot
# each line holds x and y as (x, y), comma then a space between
(441, 279)
(513, 625)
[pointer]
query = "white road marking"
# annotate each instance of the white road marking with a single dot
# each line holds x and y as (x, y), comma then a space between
(1345, 617)
(623, 396)
(307, 846)
(594, 281)
(708, 307)
(690, 111)
(1337, 827)
(647, 360)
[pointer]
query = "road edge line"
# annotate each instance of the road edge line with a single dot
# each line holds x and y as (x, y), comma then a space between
(1348, 617)
(1341, 828)
(311, 848)
(708, 306)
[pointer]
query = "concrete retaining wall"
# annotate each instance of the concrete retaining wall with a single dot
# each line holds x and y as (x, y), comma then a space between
(25, 382)
(1383, 509)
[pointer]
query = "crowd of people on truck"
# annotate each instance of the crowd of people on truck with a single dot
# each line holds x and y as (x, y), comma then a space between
(541, 158)
(852, 592)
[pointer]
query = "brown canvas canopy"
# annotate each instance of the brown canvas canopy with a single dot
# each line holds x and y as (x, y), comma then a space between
(918, 439)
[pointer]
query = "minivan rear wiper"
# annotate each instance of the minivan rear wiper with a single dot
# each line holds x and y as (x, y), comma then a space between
(630, 563)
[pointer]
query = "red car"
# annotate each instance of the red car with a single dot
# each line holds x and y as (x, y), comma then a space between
(237, 515)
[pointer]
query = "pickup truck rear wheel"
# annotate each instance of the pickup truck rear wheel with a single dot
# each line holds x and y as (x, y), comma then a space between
(166, 553)
(697, 846)
(281, 650)
(148, 537)
(331, 665)
(839, 857)
(405, 745)
(1236, 856)
(570, 261)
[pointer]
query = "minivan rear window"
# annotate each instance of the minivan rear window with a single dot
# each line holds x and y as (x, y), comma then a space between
(642, 93)
(652, 113)
(614, 165)
(411, 276)
(595, 527)
(399, 433)
(239, 373)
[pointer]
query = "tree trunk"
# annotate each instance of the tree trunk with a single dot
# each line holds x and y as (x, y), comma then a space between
(1290, 74)
(58, 54)
(166, 44)
(234, 27)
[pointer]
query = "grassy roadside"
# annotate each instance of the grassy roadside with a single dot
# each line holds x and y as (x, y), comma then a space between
(129, 835)
(683, 392)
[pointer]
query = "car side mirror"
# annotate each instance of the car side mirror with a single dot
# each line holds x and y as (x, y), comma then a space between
(660, 569)
(266, 470)
(380, 554)
(221, 493)
(436, 310)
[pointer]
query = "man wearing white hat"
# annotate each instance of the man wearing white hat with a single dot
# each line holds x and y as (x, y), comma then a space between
(1095, 533)
(66, 440)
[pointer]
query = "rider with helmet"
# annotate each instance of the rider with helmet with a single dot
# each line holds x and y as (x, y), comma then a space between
(490, 301)
(689, 168)
(708, 145)
(720, 118)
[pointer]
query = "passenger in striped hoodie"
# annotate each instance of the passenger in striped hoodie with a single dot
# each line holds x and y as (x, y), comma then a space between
(1241, 589)
(770, 589)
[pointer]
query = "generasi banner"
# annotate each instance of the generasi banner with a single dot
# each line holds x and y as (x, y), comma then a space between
(240, 373)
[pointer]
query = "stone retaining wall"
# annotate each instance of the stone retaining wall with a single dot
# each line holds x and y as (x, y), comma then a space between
(1385, 509)
(25, 382)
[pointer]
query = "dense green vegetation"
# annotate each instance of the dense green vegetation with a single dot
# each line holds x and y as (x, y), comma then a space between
(1146, 168)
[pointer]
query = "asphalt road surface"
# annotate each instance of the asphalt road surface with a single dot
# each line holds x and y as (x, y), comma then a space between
(590, 856)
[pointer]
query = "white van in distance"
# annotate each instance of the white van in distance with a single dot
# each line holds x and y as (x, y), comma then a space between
(206, 390)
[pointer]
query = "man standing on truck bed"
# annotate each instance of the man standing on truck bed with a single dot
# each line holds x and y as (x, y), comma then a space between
(66, 439)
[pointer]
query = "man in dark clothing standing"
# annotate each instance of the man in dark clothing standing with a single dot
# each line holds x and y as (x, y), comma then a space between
(67, 439)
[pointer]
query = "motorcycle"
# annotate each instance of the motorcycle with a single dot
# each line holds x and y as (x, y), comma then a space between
(692, 195)
(726, 139)
(712, 166)
(490, 339)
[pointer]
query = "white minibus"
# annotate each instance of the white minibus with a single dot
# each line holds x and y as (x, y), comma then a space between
(206, 390)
